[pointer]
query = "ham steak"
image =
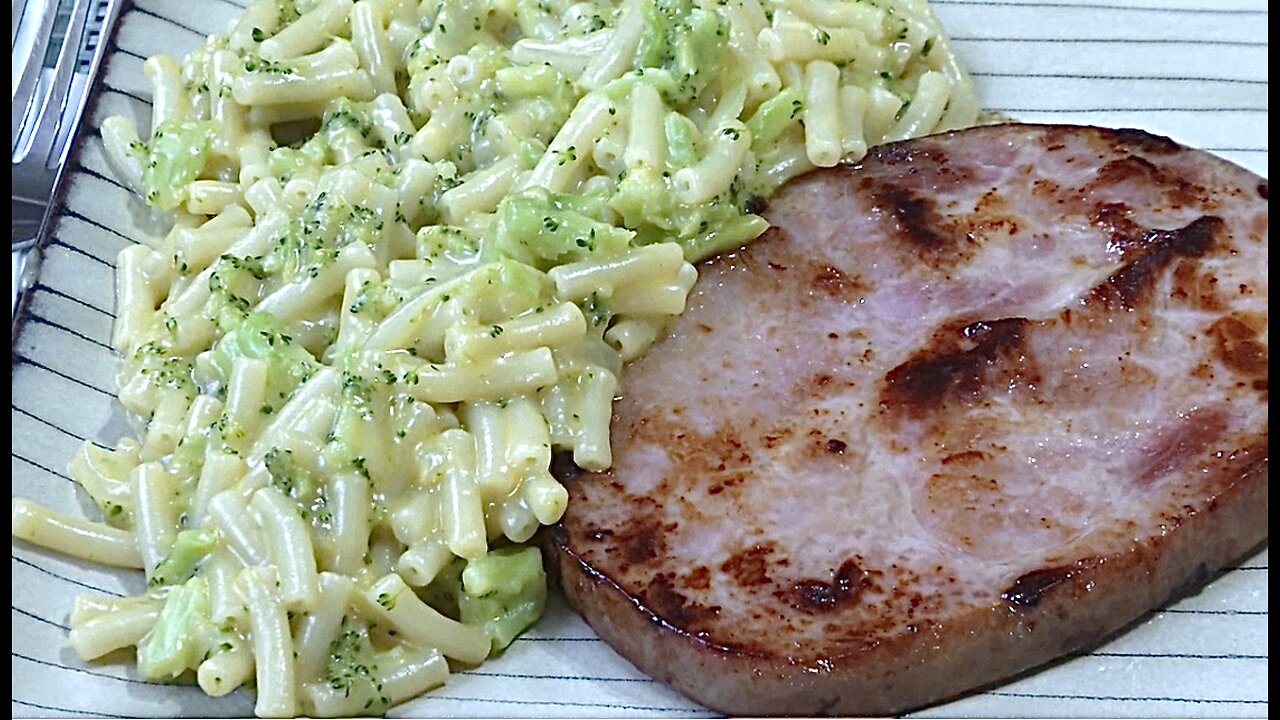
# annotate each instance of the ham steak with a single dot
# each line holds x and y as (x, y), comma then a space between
(972, 403)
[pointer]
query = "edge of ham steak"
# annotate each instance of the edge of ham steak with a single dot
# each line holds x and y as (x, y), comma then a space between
(973, 403)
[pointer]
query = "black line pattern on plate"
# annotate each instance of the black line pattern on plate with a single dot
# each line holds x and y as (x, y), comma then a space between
(130, 53)
(99, 225)
(34, 616)
(56, 241)
(41, 288)
(26, 360)
(1144, 78)
(1111, 41)
(568, 703)
(1123, 698)
(52, 425)
(78, 335)
(64, 578)
(1180, 656)
(1182, 611)
(81, 168)
(106, 676)
(33, 463)
(553, 676)
(1136, 110)
(119, 91)
(93, 713)
(200, 34)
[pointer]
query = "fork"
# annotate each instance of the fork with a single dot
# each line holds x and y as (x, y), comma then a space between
(47, 110)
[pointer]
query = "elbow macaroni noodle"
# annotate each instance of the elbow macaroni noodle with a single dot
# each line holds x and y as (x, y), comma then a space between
(413, 244)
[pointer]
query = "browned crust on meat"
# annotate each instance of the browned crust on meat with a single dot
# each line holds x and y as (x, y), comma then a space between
(948, 368)
(1084, 603)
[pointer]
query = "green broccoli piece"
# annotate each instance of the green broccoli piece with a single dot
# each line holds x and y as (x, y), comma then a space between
(503, 592)
(175, 156)
(190, 547)
(180, 638)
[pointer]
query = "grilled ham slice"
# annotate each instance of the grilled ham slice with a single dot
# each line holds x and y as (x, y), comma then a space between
(972, 403)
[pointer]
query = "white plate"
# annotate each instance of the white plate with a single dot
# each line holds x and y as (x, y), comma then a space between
(1191, 69)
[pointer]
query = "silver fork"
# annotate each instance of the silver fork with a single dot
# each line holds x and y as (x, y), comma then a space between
(47, 109)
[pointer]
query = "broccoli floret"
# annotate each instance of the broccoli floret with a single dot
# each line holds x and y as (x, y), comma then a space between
(503, 592)
(542, 229)
(180, 638)
(175, 157)
(189, 549)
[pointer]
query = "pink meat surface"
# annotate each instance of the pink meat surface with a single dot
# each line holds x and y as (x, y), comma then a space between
(970, 375)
